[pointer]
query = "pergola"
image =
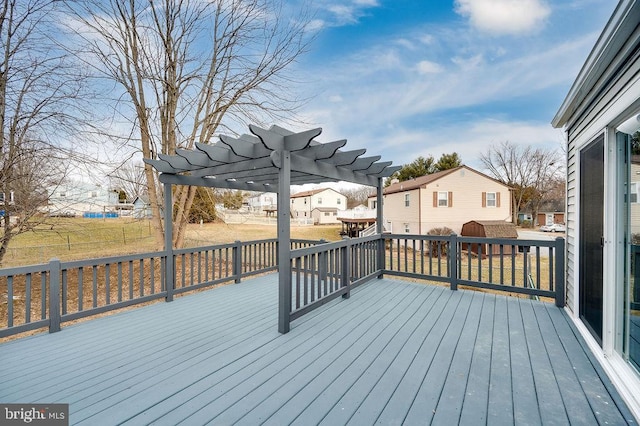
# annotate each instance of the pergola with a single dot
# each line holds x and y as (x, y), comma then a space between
(269, 160)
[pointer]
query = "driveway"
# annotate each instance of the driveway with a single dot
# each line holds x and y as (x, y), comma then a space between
(530, 234)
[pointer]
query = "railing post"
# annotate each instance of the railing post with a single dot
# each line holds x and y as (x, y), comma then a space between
(346, 270)
(54, 295)
(322, 265)
(381, 258)
(237, 261)
(169, 266)
(453, 261)
(559, 272)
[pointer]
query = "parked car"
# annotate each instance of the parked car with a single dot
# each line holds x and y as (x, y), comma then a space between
(556, 227)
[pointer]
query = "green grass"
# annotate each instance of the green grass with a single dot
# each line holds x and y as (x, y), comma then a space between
(78, 238)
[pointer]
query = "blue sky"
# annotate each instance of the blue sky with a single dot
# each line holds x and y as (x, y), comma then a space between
(408, 78)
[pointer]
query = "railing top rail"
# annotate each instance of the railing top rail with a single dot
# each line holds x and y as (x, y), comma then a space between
(332, 246)
(202, 248)
(24, 270)
(111, 260)
(305, 241)
(507, 241)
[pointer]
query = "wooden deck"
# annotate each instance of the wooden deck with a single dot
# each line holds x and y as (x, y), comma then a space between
(395, 352)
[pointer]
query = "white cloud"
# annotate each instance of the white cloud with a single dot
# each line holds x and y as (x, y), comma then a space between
(502, 17)
(428, 67)
(426, 39)
(347, 14)
(368, 3)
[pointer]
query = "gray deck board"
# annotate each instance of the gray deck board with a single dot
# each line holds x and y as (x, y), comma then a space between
(394, 353)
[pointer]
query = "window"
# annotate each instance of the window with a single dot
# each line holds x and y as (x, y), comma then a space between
(407, 200)
(93, 194)
(338, 201)
(406, 228)
(633, 192)
(491, 199)
(443, 199)
(327, 213)
(62, 194)
(374, 204)
(319, 200)
(305, 201)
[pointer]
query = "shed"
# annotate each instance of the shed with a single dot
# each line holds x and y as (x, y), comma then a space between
(488, 229)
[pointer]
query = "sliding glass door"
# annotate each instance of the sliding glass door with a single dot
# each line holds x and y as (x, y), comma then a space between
(591, 236)
(630, 288)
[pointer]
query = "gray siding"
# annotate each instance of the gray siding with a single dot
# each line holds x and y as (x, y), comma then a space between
(588, 122)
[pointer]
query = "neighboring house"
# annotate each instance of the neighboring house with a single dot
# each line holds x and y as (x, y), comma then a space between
(141, 208)
(549, 218)
(262, 202)
(79, 198)
(325, 216)
(600, 114)
(444, 199)
(303, 203)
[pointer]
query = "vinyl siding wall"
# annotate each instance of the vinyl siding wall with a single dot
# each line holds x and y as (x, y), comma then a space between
(616, 99)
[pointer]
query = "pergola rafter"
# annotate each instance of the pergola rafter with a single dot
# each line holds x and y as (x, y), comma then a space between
(269, 160)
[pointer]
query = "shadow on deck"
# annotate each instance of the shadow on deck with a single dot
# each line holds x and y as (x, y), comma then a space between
(395, 352)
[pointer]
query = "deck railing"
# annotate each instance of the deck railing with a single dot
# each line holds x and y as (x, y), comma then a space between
(324, 272)
(50, 294)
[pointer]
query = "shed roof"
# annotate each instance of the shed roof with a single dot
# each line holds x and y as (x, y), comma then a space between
(493, 228)
(252, 162)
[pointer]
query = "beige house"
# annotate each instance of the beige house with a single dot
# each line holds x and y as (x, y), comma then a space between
(304, 203)
(445, 199)
(325, 216)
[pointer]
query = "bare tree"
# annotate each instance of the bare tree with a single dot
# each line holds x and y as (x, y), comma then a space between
(38, 94)
(130, 178)
(189, 69)
(530, 172)
(357, 195)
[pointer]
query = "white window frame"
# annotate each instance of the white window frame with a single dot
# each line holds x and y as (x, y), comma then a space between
(492, 202)
(407, 200)
(443, 202)
(633, 193)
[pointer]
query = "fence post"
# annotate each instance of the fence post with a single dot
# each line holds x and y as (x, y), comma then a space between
(453, 261)
(560, 272)
(237, 261)
(54, 295)
(346, 270)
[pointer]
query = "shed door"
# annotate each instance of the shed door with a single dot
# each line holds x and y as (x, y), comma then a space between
(592, 235)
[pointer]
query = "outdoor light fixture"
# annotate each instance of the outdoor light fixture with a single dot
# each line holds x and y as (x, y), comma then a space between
(630, 126)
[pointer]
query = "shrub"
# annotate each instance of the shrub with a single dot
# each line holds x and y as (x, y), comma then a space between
(439, 247)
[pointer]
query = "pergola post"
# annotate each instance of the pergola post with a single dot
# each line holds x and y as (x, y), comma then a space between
(380, 226)
(168, 242)
(284, 242)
